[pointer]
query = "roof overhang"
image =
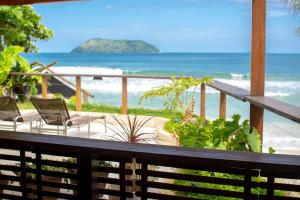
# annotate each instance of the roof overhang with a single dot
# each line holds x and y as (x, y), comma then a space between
(22, 2)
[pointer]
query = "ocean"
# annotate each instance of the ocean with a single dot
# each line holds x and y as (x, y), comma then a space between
(282, 78)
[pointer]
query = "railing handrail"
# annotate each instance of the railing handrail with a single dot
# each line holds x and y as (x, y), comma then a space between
(234, 159)
(281, 108)
(91, 75)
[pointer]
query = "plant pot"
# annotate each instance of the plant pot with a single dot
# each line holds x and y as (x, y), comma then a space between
(23, 92)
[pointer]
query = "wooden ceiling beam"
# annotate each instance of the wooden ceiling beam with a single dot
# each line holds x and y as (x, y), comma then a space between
(26, 2)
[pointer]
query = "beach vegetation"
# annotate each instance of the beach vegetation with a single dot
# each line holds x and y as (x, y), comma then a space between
(178, 95)
(21, 26)
(230, 135)
(105, 108)
(217, 134)
(20, 86)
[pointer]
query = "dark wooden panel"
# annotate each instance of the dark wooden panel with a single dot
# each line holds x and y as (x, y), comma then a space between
(220, 158)
(89, 152)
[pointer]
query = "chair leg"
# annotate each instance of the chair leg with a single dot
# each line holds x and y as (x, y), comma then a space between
(30, 126)
(40, 126)
(105, 125)
(15, 126)
(89, 129)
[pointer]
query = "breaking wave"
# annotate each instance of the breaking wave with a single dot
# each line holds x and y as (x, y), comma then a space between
(114, 85)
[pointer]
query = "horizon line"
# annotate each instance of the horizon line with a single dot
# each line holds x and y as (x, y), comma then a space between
(168, 52)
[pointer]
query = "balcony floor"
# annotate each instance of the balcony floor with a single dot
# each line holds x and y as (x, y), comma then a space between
(282, 142)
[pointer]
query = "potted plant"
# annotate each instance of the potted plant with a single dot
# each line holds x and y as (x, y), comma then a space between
(18, 86)
(130, 131)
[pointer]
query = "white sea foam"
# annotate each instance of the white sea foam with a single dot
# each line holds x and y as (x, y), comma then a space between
(237, 76)
(114, 85)
(88, 70)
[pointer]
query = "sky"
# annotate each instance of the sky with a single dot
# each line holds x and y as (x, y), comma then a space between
(171, 25)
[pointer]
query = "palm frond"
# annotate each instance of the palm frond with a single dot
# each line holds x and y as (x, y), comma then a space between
(294, 5)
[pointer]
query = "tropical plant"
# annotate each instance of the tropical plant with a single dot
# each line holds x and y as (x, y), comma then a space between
(11, 61)
(230, 135)
(130, 130)
(293, 4)
(21, 26)
(176, 95)
(217, 134)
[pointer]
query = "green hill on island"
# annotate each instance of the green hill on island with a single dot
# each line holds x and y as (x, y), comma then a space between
(99, 45)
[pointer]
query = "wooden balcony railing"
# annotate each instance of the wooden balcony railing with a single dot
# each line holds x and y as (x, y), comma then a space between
(281, 108)
(155, 175)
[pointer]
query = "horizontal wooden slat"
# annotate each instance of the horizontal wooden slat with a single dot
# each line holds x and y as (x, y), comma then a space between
(11, 188)
(114, 170)
(59, 195)
(165, 196)
(208, 167)
(230, 90)
(189, 177)
(9, 177)
(278, 186)
(10, 157)
(10, 196)
(113, 181)
(10, 168)
(113, 192)
(281, 108)
(196, 190)
(59, 174)
(58, 163)
(59, 185)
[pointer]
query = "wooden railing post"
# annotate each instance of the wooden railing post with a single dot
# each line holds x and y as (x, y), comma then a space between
(78, 94)
(87, 176)
(202, 101)
(258, 61)
(44, 87)
(85, 98)
(124, 96)
(222, 113)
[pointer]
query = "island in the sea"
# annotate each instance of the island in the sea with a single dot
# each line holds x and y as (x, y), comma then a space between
(99, 45)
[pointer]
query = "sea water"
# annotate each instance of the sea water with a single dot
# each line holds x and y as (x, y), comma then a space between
(282, 78)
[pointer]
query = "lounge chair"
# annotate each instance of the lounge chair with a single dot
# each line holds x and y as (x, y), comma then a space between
(55, 112)
(10, 112)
